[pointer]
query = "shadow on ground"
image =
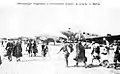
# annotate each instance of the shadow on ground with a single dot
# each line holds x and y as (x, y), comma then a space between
(88, 66)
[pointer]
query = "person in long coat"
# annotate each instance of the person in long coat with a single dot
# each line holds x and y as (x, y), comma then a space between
(0, 60)
(17, 52)
(9, 48)
(80, 54)
(35, 48)
(117, 55)
(0, 56)
(29, 45)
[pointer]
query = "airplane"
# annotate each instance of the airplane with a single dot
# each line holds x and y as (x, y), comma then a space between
(99, 39)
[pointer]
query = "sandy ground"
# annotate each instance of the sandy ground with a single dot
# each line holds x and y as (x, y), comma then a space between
(53, 64)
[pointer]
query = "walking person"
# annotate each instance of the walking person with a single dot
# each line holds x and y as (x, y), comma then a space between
(44, 49)
(35, 51)
(95, 52)
(80, 54)
(106, 44)
(117, 55)
(9, 48)
(29, 48)
(2, 43)
(104, 57)
(67, 49)
(0, 56)
(17, 52)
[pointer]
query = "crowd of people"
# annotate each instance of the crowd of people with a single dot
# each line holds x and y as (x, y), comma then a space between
(99, 52)
(14, 48)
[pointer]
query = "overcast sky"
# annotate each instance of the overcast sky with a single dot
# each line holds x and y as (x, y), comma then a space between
(30, 20)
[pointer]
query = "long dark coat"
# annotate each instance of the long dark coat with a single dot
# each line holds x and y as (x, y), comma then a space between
(29, 45)
(0, 60)
(9, 48)
(80, 53)
(117, 54)
(17, 50)
(35, 48)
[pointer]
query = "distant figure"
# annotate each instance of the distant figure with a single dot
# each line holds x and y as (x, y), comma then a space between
(114, 43)
(0, 60)
(80, 54)
(67, 49)
(29, 46)
(9, 48)
(95, 52)
(34, 48)
(44, 49)
(104, 57)
(106, 44)
(17, 52)
(2, 43)
(0, 56)
(117, 55)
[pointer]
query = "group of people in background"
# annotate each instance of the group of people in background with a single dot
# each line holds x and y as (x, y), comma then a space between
(32, 48)
(14, 49)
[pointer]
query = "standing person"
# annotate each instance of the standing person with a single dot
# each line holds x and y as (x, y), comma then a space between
(96, 52)
(9, 48)
(67, 49)
(44, 49)
(80, 54)
(117, 55)
(35, 48)
(0, 60)
(2, 43)
(29, 45)
(0, 56)
(104, 57)
(106, 44)
(17, 52)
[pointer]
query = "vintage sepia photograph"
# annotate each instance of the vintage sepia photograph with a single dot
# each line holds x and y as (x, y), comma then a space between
(60, 37)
